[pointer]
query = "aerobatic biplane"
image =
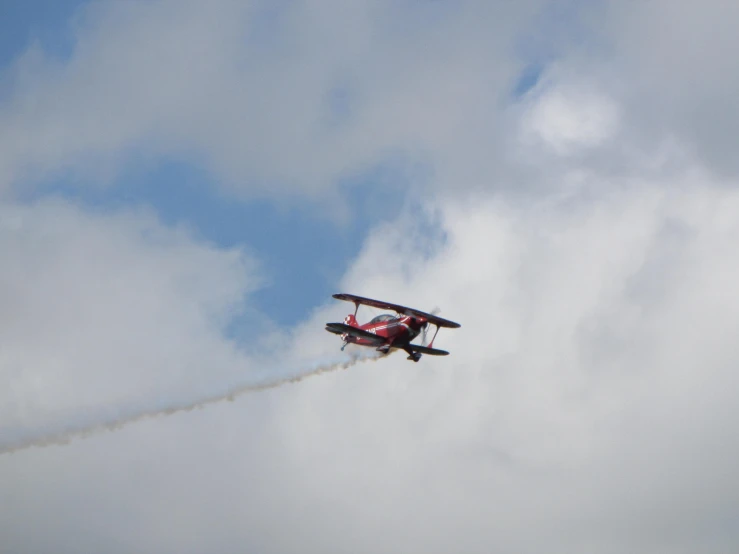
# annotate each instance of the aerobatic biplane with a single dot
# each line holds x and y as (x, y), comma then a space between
(387, 331)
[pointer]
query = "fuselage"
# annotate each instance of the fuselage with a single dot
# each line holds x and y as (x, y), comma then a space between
(396, 331)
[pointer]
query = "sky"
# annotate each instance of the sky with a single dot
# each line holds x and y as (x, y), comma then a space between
(183, 185)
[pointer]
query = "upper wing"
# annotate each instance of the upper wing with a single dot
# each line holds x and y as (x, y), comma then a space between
(427, 350)
(433, 319)
(341, 328)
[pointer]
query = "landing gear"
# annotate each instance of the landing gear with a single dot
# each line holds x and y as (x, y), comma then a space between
(384, 349)
(415, 356)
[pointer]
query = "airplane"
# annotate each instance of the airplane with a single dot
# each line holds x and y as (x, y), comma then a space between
(388, 331)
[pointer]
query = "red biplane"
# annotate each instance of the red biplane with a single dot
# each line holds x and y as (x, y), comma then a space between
(388, 331)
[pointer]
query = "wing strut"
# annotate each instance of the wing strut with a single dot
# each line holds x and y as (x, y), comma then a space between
(431, 344)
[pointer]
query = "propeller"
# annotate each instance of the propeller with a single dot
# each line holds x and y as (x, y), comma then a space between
(435, 311)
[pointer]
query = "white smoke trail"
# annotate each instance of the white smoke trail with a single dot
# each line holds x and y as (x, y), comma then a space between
(65, 436)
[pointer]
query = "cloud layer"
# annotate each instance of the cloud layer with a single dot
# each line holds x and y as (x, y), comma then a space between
(107, 315)
(589, 395)
(583, 235)
(260, 94)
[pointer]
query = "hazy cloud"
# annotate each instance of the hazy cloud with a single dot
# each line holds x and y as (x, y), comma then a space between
(107, 315)
(273, 98)
(575, 402)
(669, 63)
(589, 399)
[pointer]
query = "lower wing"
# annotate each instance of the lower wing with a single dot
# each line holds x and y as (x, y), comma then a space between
(426, 350)
(341, 328)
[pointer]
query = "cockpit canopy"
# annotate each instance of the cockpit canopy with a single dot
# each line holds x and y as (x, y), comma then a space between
(382, 317)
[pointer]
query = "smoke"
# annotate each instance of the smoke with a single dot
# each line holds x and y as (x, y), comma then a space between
(66, 435)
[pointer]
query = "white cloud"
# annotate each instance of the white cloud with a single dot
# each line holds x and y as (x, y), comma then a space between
(105, 316)
(291, 98)
(668, 64)
(277, 99)
(592, 381)
(569, 119)
(589, 399)
(589, 392)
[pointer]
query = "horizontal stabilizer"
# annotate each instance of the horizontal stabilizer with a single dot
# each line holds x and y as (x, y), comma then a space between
(341, 328)
(426, 350)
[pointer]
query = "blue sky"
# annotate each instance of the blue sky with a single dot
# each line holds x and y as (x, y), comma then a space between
(303, 253)
(45, 21)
